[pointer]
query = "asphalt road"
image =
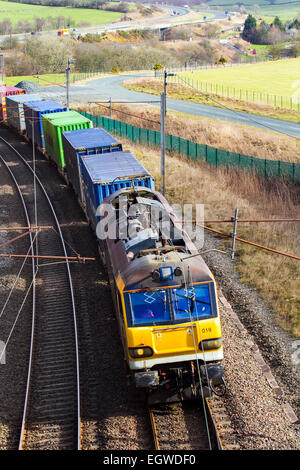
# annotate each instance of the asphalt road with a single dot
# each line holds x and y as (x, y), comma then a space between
(103, 89)
(144, 23)
(110, 87)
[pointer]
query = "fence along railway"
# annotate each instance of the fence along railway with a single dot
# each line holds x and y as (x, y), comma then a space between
(51, 417)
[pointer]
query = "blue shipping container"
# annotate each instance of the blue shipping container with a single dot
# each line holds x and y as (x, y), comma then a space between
(33, 111)
(106, 175)
(85, 142)
(15, 110)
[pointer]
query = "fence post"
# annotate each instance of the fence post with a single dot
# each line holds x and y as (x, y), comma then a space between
(235, 218)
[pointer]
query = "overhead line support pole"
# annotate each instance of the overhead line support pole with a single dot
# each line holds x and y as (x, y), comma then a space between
(68, 82)
(162, 141)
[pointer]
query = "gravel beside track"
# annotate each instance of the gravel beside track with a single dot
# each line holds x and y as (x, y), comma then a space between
(263, 383)
(114, 415)
(13, 365)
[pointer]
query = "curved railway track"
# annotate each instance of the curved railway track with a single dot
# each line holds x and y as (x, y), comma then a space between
(51, 416)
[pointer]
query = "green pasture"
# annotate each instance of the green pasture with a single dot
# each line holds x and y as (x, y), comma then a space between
(285, 9)
(281, 77)
(284, 12)
(50, 78)
(44, 80)
(16, 12)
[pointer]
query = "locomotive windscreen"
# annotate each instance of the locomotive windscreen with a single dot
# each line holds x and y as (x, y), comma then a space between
(171, 305)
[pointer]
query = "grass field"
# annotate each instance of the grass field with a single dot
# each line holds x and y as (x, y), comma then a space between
(280, 77)
(50, 78)
(23, 12)
(182, 92)
(285, 9)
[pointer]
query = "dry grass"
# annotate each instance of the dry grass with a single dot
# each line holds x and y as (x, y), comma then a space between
(276, 277)
(237, 138)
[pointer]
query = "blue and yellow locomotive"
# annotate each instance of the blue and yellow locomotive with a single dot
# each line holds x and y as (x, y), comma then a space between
(165, 298)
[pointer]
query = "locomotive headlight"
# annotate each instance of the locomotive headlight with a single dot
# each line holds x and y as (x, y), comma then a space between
(210, 344)
(137, 353)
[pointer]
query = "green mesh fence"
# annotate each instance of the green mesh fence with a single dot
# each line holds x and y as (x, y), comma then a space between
(193, 151)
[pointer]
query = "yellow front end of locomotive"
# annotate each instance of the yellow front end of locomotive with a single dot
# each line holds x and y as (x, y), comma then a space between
(150, 346)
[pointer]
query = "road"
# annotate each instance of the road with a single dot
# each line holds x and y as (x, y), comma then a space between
(103, 89)
(167, 20)
(110, 87)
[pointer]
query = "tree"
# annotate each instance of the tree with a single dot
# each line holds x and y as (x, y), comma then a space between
(277, 22)
(295, 24)
(250, 22)
(221, 61)
(275, 35)
(249, 27)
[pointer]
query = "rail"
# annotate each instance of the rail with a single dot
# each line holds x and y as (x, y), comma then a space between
(204, 434)
(58, 308)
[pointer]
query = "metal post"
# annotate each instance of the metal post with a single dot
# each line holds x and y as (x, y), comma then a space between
(166, 75)
(165, 90)
(162, 141)
(234, 232)
(110, 108)
(2, 68)
(68, 82)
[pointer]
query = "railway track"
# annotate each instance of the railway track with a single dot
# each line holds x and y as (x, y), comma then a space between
(51, 415)
(195, 423)
(199, 426)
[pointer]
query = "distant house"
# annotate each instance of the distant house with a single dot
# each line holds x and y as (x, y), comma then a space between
(292, 32)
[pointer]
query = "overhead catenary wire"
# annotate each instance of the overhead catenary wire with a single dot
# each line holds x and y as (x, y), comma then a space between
(257, 245)
(17, 276)
(131, 115)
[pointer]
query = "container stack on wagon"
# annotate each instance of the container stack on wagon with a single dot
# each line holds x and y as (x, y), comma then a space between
(15, 110)
(53, 129)
(6, 90)
(33, 111)
(106, 175)
(80, 143)
(91, 159)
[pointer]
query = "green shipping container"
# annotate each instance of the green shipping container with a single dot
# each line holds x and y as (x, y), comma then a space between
(53, 129)
(62, 115)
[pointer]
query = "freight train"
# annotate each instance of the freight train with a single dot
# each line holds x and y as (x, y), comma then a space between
(164, 294)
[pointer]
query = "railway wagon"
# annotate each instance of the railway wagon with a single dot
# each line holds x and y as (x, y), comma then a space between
(53, 129)
(33, 111)
(15, 110)
(165, 298)
(7, 90)
(106, 175)
(83, 142)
